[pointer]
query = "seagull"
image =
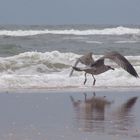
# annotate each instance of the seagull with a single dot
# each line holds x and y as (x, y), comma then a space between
(99, 67)
(85, 59)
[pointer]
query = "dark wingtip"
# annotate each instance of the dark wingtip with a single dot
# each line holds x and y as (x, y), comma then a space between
(132, 71)
(136, 75)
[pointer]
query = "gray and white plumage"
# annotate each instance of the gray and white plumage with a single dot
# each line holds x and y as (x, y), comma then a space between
(99, 67)
(85, 59)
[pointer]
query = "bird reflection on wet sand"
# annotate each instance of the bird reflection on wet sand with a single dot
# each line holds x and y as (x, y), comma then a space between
(90, 110)
(122, 117)
(96, 114)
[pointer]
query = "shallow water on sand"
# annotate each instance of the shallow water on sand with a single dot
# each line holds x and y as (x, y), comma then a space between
(110, 115)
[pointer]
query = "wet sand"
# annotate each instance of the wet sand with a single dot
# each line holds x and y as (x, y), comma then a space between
(70, 114)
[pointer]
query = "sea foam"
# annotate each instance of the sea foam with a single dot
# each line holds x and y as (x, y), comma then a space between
(51, 70)
(106, 31)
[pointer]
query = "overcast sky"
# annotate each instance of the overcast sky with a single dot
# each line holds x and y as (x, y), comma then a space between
(70, 12)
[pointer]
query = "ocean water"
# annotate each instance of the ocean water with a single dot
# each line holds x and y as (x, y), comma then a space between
(42, 56)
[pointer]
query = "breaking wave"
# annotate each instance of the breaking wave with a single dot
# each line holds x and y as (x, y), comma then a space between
(106, 31)
(51, 70)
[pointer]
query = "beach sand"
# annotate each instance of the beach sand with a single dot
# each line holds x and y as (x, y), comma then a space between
(65, 114)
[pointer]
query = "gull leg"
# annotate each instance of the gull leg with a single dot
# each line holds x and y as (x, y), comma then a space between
(85, 78)
(94, 80)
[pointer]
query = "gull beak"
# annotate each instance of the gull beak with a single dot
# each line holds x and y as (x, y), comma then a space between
(112, 68)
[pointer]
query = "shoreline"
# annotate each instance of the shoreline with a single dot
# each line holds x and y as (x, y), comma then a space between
(67, 89)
